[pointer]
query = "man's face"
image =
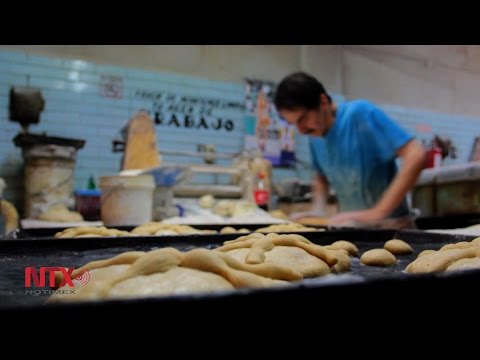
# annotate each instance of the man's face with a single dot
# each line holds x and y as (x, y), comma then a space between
(309, 122)
(313, 122)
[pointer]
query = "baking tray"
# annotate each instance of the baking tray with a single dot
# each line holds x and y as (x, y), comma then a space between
(16, 255)
(38, 233)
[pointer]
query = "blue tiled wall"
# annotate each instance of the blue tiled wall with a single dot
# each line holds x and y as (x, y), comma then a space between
(75, 109)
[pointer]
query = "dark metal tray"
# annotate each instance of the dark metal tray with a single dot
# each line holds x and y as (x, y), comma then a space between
(16, 255)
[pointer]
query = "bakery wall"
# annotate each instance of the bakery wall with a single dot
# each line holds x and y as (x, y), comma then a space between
(430, 89)
(440, 78)
(230, 63)
(77, 108)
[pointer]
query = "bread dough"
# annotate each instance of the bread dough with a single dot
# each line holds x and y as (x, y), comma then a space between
(238, 274)
(465, 264)
(165, 232)
(206, 201)
(243, 208)
(426, 252)
(95, 276)
(298, 259)
(344, 245)
(261, 243)
(439, 260)
(224, 208)
(10, 214)
(398, 247)
(90, 231)
(459, 245)
(279, 214)
(154, 261)
(158, 228)
(290, 227)
(239, 254)
(125, 258)
(378, 257)
(258, 248)
(231, 230)
(343, 262)
(170, 263)
(60, 213)
(228, 230)
(173, 282)
(476, 241)
(289, 256)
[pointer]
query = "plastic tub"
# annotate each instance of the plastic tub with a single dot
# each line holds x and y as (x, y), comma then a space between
(126, 200)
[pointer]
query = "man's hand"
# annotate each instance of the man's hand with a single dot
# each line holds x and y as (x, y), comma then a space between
(360, 216)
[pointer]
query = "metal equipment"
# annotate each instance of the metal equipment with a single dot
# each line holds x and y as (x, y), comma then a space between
(49, 160)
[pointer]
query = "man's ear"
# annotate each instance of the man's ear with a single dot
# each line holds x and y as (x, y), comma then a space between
(324, 101)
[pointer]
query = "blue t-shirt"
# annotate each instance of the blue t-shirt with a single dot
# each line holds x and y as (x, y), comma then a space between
(357, 155)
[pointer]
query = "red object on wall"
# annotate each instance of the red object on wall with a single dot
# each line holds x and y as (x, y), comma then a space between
(434, 157)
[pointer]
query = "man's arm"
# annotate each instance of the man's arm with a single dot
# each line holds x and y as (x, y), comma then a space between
(413, 156)
(319, 199)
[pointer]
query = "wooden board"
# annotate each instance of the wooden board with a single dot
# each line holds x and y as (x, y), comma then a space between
(313, 221)
(141, 146)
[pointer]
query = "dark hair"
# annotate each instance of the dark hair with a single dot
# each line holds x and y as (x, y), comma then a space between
(299, 90)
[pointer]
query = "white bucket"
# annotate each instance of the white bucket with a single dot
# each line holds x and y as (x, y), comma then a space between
(126, 200)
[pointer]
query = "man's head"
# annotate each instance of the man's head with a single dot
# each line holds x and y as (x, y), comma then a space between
(303, 101)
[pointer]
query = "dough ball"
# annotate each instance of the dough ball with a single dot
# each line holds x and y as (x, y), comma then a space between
(228, 230)
(206, 201)
(378, 257)
(398, 247)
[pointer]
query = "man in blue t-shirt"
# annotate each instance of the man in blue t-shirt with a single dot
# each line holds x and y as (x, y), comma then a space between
(353, 146)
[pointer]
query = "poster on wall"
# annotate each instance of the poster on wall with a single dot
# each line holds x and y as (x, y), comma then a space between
(111, 86)
(265, 130)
